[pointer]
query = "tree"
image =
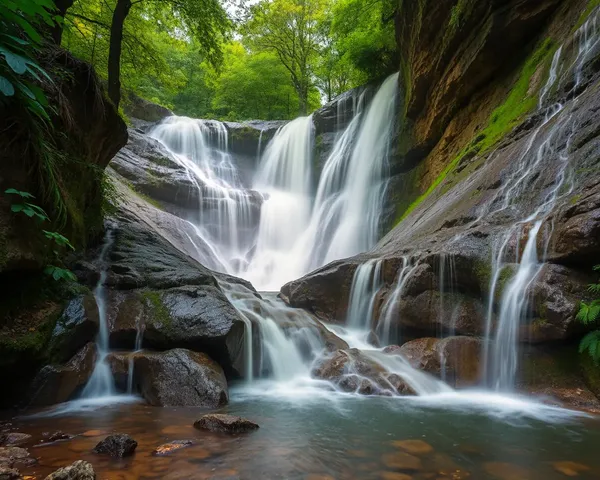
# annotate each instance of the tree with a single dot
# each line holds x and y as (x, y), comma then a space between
(205, 20)
(61, 10)
(291, 30)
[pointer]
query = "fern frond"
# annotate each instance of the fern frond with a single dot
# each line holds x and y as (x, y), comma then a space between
(590, 343)
(582, 314)
(597, 268)
(594, 288)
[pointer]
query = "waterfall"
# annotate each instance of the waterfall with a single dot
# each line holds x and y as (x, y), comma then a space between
(296, 226)
(501, 358)
(101, 382)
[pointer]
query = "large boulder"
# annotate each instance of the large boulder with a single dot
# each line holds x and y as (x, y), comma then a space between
(176, 377)
(57, 384)
(456, 360)
(118, 445)
(217, 422)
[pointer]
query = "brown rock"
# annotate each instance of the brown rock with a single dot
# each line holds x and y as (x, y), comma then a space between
(13, 452)
(402, 461)
(458, 356)
(416, 447)
(394, 476)
(216, 422)
(507, 471)
(570, 469)
(170, 447)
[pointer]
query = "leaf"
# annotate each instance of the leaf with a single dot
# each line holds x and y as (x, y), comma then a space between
(14, 191)
(17, 207)
(7, 88)
(18, 40)
(16, 62)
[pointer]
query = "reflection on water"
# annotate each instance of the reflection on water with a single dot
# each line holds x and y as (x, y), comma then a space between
(350, 438)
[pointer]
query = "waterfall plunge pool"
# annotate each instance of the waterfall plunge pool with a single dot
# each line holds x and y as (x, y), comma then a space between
(333, 436)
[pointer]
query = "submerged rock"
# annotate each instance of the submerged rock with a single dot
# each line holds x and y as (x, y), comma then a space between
(170, 447)
(216, 422)
(118, 445)
(79, 470)
(176, 377)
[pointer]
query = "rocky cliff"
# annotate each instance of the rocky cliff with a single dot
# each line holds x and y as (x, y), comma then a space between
(499, 132)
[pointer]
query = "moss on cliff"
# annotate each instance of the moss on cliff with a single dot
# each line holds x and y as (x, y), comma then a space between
(521, 100)
(592, 4)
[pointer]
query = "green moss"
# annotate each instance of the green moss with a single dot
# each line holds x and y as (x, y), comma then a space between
(159, 311)
(483, 272)
(574, 199)
(457, 13)
(591, 5)
(520, 101)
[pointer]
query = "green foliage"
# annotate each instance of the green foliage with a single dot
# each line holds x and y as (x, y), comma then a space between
(457, 13)
(20, 23)
(589, 313)
(60, 241)
(590, 7)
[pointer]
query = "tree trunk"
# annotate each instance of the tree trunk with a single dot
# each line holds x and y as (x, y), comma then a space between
(115, 48)
(61, 10)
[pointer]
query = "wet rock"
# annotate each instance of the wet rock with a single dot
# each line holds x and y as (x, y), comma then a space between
(9, 456)
(170, 447)
(507, 471)
(56, 436)
(57, 384)
(402, 461)
(14, 439)
(76, 327)
(216, 422)
(176, 377)
(79, 470)
(456, 359)
(354, 371)
(118, 445)
(7, 473)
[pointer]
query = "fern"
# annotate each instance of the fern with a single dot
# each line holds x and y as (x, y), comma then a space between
(591, 344)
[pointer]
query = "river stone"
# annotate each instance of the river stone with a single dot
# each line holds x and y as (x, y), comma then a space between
(79, 470)
(14, 439)
(170, 447)
(57, 384)
(216, 422)
(118, 445)
(7, 473)
(177, 377)
(76, 327)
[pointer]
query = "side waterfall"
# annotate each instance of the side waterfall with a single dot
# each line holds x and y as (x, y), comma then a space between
(546, 148)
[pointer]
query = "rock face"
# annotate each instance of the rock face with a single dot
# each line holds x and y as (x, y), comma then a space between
(216, 422)
(458, 190)
(79, 470)
(174, 378)
(119, 445)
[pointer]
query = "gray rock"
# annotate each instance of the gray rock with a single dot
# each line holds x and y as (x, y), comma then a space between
(216, 422)
(118, 445)
(79, 470)
(7, 473)
(174, 378)
(14, 439)
(77, 326)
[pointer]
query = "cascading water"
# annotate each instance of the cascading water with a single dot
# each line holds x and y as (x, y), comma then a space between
(501, 358)
(301, 227)
(101, 383)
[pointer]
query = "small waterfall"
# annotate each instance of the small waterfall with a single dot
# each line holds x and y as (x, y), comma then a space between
(101, 383)
(365, 286)
(139, 336)
(501, 359)
(386, 331)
